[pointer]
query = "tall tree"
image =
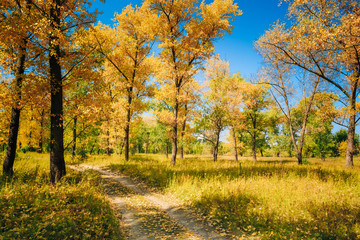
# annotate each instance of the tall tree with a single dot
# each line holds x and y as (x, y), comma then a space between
(216, 100)
(15, 27)
(321, 117)
(126, 49)
(112, 116)
(236, 118)
(57, 162)
(220, 101)
(323, 41)
(255, 101)
(186, 34)
(62, 20)
(286, 85)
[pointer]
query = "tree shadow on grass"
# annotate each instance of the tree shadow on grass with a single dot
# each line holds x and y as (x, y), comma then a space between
(239, 214)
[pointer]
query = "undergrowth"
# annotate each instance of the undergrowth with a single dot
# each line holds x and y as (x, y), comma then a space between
(271, 199)
(32, 208)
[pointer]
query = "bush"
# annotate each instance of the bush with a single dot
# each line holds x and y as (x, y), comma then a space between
(27, 148)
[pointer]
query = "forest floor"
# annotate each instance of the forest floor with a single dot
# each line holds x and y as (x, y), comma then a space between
(149, 215)
(272, 199)
(148, 198)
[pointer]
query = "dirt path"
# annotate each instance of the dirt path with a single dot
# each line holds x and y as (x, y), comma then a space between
(147, 215)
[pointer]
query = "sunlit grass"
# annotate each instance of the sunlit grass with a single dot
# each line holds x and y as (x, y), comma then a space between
(32, 208)
(273, 199)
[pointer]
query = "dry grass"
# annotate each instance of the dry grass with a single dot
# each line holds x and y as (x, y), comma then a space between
(273, 199)
(32, 208)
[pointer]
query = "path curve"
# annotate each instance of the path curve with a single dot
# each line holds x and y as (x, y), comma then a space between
(191, 226)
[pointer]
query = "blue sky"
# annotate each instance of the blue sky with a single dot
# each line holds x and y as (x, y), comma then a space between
(237, 48)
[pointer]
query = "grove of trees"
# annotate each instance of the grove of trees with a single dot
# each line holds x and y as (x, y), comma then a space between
(151, 83)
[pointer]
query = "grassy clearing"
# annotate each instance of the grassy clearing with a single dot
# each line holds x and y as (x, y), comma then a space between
(32, 208)
(273, 199)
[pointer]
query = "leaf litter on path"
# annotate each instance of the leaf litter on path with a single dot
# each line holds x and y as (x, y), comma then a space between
(147, 215)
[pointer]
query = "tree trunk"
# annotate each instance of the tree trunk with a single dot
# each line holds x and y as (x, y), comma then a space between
(235, 144)
(57, 162)
(299, 157)
(174, 145)
(126, 142)
(122, 146)
(15, 113)
(182, 135)
(73, 152)
(30, 131)
(30, 136)
(241, 139)
(127, 127)
(41, 139)
(182, 138)
(350, 142)
(108, 152)
(167, 151)
(92, 149)
(299, 148)
(174, 136)
(216, 146)
(304, 123)
(116, 137)
(352, 123)
(254, 147)
(182, 152)
(12, 139)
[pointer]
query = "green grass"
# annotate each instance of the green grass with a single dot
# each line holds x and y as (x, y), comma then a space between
(32, 208)
(273, 199)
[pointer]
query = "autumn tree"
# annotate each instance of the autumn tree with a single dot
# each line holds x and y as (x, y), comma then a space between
(16, 30)
(287, 85)
(111, 110)
(81, 107)
(187, 112)
(5, 112)
(83, 98)
(255, 101)
(323, 41)
(236, 118)
(61, 20)
(34, 130)
(218, 105)
(321, 140)
(186, 34)
(321, 113)
(126, 48)
(319, 129)
(279, 141)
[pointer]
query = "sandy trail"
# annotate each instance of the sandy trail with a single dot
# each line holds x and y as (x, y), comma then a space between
(148, 215)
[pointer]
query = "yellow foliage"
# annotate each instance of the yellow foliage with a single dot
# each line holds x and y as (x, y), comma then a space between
(342, 148)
